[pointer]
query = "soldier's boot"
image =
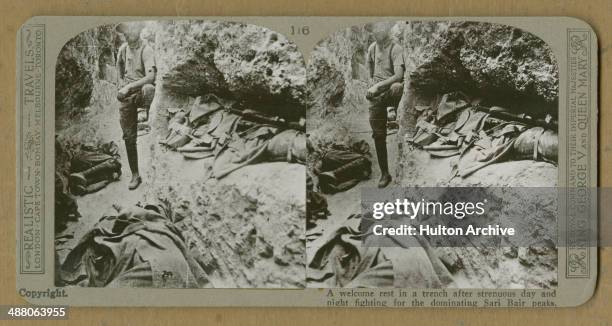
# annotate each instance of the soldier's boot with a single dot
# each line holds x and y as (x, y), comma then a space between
(351, 170)
(381, 153)
(132, 156)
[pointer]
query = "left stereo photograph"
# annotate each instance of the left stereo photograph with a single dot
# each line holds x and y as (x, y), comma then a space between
(179, 157)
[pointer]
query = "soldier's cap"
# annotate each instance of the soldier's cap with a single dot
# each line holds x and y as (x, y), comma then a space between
(135, 27)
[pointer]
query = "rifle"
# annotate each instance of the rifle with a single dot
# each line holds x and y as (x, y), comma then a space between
(501, 113)
(276, 121)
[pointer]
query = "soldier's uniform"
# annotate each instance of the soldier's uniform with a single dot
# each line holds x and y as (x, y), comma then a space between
(133, 64)
(383, 62)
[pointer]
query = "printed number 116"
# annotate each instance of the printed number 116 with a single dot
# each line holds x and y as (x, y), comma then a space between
(300, 30)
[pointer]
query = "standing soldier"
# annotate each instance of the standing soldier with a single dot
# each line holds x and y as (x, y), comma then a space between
(386, 66)
(137, 68)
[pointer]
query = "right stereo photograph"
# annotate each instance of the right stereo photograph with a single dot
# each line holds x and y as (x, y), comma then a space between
(428, 104)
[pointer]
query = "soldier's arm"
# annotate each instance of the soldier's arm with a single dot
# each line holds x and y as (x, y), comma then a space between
(119, 64)
(370, 61)
(398, 76)
(148, 58)
(398, 69)
(149, 78)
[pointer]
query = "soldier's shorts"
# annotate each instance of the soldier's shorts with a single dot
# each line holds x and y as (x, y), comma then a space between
(378, 109)
(128, 111)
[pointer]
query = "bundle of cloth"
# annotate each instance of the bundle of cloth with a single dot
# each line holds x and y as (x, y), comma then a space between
(196, 131)
(94, 167)
(481, 136)
(340, 167)
(259, 144)
(138, 247)
(211, 128)
(342, 260)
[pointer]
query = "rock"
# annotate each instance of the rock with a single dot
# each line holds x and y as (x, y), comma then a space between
(267, 251)
(337, 74)
(510, 252)
(74, 81)
(525, 258)
(83, 60)
(503, 58)
(249, 63)
(491, 61)
(449, 258)
(326, 86)
(280, 261)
